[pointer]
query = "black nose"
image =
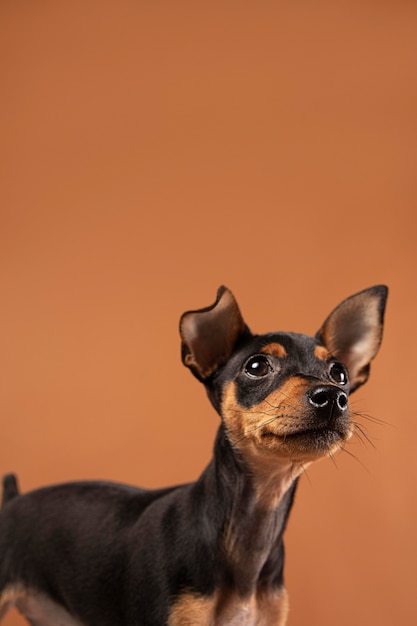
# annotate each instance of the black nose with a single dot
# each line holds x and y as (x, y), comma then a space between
(329, 400)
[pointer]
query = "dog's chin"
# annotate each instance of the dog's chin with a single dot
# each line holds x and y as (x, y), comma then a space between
(308, 444)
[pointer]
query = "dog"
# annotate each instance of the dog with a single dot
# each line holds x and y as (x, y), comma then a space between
(208, 553)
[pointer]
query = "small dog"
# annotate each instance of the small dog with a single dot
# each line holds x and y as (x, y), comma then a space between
(208, 553)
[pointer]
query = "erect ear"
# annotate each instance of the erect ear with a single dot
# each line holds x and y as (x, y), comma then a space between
(353, 332)
(210, 335)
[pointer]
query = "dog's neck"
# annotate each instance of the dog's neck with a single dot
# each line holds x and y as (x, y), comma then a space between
(249, 530)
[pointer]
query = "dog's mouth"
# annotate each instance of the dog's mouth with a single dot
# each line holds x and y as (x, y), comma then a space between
(318, 440)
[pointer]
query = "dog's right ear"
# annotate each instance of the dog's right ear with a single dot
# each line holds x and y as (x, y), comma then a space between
(210, 335)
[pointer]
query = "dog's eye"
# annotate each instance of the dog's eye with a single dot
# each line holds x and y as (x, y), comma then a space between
(338, 373)
(257, 366)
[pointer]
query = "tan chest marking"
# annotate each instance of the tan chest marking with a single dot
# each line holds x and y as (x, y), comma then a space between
(192, 610)
(261, 609)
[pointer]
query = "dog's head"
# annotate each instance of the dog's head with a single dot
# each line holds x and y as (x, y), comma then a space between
(284, 394)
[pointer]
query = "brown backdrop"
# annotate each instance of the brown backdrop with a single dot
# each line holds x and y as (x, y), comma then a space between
(153, 150)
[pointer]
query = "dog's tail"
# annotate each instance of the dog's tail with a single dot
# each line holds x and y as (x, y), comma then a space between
(10, 488)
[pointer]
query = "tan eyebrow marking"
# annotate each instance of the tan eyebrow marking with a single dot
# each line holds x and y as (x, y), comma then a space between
(275, 349)
(322, 353)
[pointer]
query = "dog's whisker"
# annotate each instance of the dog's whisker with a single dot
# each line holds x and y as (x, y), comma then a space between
(343, 449)
(374, 420)
(361, 431)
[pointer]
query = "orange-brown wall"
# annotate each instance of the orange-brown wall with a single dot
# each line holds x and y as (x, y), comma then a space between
(151, 151)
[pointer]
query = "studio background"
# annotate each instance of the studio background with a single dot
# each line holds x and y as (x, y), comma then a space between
(151, 151)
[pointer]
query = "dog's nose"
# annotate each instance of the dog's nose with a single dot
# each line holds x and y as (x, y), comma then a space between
(329, 400)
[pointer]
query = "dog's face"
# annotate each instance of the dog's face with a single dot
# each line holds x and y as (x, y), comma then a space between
(284, 394)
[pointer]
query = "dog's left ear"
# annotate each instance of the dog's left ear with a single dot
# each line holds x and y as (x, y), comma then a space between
(209, 335)
(353, 332)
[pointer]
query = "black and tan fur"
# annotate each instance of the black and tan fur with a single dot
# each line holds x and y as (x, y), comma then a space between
(208, 553)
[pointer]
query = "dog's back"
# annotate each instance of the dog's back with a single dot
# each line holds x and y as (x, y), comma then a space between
(72, 537)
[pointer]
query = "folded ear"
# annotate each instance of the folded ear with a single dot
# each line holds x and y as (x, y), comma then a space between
(353, 332)
(210, 335)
